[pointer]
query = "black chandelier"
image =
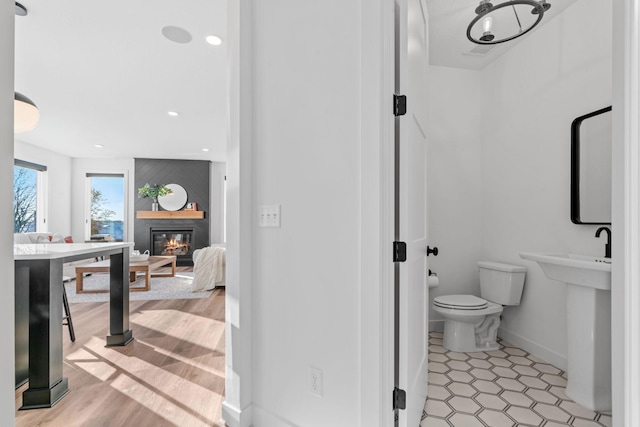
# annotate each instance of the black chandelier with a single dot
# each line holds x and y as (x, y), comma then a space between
(505, 21)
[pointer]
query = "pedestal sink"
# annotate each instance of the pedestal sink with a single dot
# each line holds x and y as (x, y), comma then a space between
(588, 281)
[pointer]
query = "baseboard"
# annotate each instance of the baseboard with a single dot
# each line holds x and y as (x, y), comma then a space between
(234, 417)
(436, 325)
(263, 417)
(541, 352)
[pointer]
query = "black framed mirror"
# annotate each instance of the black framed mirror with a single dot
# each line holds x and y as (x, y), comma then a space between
(591, 168)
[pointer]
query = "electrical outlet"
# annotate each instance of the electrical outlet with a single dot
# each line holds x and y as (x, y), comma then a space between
(315, 381)
(269, 216)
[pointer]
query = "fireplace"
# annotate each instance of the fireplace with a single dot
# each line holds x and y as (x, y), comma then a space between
(172, 241)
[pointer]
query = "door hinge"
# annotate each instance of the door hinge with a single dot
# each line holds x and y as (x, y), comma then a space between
(399, 105)
(399, 399)
(399, 251)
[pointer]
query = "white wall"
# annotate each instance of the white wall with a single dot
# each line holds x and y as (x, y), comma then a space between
(536, 90)
(58, 184)
(455, 181)
(79, 170)
(7, 379)
(306, 274)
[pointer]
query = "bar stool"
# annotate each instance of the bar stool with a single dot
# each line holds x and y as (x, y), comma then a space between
(67, 314)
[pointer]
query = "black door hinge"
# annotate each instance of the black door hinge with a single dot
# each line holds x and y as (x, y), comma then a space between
(399, 105)
(399, 251)
(399, 399)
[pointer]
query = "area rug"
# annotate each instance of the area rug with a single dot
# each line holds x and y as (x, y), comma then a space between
(178, 287)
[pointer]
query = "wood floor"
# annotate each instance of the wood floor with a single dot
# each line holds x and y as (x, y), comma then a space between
(172, 374)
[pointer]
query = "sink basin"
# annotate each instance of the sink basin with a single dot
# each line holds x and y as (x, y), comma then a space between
(588, 291)
(583, 270)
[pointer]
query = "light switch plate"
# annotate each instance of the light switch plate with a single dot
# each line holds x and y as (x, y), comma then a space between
(269, 216)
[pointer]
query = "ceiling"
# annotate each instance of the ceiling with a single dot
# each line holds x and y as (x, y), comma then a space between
(102, 74)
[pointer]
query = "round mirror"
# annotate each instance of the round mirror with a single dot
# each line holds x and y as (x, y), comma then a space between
(174, 201)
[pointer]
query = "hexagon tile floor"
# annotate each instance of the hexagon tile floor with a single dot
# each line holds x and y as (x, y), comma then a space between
(502, 388)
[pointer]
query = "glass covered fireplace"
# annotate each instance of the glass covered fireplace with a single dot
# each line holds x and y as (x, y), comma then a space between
(173, 241)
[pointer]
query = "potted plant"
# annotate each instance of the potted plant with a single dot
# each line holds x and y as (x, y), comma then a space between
(153, 192)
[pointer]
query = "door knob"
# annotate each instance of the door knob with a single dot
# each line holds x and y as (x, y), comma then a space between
(433, 251)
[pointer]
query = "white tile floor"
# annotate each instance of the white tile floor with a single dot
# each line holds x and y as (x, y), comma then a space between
(502, 388)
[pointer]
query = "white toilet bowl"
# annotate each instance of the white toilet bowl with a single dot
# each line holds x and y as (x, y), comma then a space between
(470, 323)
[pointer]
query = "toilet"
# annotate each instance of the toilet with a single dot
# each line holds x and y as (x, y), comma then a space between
(470, 322)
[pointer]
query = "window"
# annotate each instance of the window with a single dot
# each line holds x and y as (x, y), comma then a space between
(29, 197)
(106, 206)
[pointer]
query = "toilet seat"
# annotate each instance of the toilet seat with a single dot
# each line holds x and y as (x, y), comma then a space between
(460, 302)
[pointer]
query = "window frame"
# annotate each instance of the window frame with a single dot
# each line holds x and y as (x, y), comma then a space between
(42, 199)
(87, 199)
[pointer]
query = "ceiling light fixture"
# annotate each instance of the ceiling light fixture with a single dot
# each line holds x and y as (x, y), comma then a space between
(21, 10)
(25, 113)
(505, 21)
(173, 113)
(205, 149)
(214, 40)
(98, 145)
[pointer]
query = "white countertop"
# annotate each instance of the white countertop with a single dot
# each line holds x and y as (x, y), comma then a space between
(62, 250)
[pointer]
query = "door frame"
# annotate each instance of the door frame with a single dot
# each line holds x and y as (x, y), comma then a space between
(625, 294)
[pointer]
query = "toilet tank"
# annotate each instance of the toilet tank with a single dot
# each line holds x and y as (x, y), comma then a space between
(501, 283)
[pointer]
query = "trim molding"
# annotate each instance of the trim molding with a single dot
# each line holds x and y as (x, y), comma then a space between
(234, 417)
(625, 295)
(263, 417)
(436, 325)
(240, 230)
(550, 356)
(376, 229)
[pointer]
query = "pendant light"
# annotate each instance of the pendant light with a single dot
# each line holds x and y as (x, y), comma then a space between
(25, 112)
(505, 21)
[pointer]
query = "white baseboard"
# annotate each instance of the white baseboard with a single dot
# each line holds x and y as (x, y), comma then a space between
(436, 325)
(234, 417)
(549, 356)
(541, 352)
(265, 418)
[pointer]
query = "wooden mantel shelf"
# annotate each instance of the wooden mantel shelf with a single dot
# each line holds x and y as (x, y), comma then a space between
(170, 214)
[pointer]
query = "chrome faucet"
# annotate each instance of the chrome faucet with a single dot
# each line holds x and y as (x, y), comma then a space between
(607, 247)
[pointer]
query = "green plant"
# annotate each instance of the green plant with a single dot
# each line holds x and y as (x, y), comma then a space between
(154, 191)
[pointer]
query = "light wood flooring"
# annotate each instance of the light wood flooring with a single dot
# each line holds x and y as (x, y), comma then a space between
(172, 374)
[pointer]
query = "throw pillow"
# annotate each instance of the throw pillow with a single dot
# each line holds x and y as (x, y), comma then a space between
(43, 239)
(68, 239)
(57, 238)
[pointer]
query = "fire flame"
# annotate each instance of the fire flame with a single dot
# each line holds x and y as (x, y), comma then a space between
(175, 247)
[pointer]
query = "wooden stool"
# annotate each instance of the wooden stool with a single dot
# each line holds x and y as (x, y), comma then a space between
(67, 313)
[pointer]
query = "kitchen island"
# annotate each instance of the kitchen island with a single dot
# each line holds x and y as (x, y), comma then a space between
(38, 288)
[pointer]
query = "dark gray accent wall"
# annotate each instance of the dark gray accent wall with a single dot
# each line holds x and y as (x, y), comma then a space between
(194, 176)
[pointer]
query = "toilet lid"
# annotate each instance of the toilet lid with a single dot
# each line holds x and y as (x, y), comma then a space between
(460, 302)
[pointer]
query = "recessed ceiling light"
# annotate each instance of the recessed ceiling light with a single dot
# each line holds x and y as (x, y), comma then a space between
(98, 145)
(173, 113)
(214, 40)
(205, 149)
(176, 34)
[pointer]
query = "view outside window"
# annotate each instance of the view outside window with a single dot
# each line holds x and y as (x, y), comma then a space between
(107, 206)
(25, 199)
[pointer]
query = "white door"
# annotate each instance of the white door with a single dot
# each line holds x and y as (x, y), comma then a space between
(411, 69)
